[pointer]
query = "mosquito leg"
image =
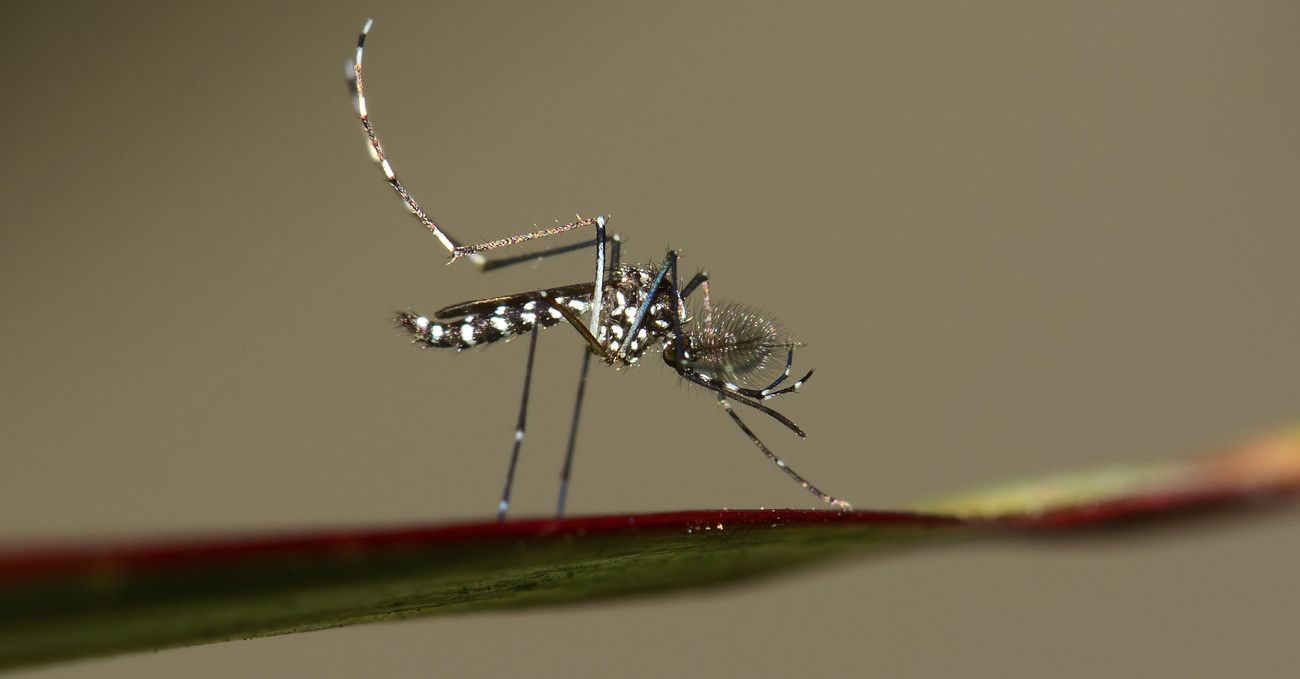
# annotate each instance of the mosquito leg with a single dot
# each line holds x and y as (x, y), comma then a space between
(614, 242)
(701, 278)
(675, 305)
(597, 303)
(834, 502)
(652, 292)
(785, 374)
(358, 87)
(719, 389)
(733, 389)
(577, 323)
(473, 251)
(573, 436)
(679, 348)
(357, 84)
(598, 289)
(701, 281)
(502, 262)
(771, 390)
(519, 428)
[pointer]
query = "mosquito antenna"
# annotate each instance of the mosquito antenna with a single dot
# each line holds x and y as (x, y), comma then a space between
(828, 499)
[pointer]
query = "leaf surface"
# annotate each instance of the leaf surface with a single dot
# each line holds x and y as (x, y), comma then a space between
(76, 600)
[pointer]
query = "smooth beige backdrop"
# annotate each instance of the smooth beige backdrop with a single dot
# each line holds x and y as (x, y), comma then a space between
(1017, 238)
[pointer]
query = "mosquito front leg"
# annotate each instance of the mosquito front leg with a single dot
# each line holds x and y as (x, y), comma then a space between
(828, 499)
(679, 349)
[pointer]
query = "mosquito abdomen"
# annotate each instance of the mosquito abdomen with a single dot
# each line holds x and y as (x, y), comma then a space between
(504, 323)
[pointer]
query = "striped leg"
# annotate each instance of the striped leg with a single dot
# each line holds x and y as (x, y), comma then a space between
(832, 501)
(596, 306)
(473, 252)
(726, 393)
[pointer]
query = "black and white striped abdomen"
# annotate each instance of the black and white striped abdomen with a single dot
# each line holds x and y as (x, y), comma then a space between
(504, 323)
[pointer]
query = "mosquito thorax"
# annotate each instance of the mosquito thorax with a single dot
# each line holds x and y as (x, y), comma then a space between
(625, 293)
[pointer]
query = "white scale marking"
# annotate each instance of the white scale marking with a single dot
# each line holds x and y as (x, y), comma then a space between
(467, 334)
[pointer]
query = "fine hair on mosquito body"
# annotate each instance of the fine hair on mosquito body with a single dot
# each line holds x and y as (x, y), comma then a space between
(726, 349)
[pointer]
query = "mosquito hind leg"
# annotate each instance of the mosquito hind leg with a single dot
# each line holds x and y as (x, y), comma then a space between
(357, 84)
(502, 262)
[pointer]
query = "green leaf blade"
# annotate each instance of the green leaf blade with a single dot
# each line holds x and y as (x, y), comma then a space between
(83, 600)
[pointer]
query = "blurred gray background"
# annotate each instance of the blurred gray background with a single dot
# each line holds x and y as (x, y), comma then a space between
(1018, 239)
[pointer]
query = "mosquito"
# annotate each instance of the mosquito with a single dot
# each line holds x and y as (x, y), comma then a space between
(631, 309)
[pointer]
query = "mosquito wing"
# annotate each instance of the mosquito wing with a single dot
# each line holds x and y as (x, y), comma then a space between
(483, 306)
(738, 342)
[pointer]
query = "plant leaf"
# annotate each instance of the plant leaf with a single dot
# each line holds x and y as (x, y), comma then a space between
(60, 602)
